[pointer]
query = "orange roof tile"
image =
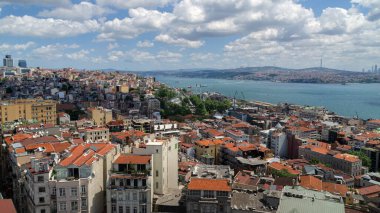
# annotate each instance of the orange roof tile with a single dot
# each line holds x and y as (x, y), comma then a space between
(320, 150)
(48, 148)
(369, 190)
(133, 159)
(20, 150)
(78, 154)
(278, 166)
(347, 157)
(311, 182)
(335, 188)
(209, 184)
(60, 147)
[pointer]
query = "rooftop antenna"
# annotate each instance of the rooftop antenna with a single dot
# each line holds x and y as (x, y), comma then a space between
(321, 63)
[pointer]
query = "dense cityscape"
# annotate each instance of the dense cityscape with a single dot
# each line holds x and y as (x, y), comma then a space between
(94, 141)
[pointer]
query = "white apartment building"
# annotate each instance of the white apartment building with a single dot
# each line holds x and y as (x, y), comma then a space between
(165, 162)
(80, 180)
(129, 187)
(36, 189)
(279, 144)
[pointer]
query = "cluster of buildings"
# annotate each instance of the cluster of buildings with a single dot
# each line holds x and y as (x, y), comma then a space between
(10, 69)
(90, 141)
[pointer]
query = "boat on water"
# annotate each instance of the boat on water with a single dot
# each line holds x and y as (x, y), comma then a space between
(189, 87)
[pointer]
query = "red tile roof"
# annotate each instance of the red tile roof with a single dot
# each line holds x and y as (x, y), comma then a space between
(369, 190)
(6, 206)
(209, 184)
(278, 166)
(311, 182)
(85, 153)
(133, 159)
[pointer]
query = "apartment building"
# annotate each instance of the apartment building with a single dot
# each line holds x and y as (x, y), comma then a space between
(209, 189)
(237, 135)
(347, 163)
(37, 191)
(208, 150)
(129, 188)
(101, 116)
(43, 111)
(96, 134)
(80, 179)
(165, 162)
(279, 144)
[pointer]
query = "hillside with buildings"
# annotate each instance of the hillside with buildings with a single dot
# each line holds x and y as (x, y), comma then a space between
(93, 141)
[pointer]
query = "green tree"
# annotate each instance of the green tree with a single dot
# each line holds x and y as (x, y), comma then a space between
(282, 173)
(366, 161)
(314, 161)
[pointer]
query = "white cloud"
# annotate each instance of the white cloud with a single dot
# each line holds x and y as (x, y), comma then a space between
(38, 2)
(168, 56)
(115, 55)
(140, 21)
(80, 55)
(81, 11)
(126, 4)
(145, 44)
(339, 21)
(372, 5)
(112, 46)
(178, 41)
(31, 26)
(52, 51)
(16, 47)
(135, 55)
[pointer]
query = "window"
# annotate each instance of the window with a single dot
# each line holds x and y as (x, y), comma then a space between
(40, 178)
(143, 209)
(113, 208)
(83, 189)
(41, 189)
(62, 192)
(120, 196)
(143, 182)
(42, 211)
(128, 209)
(195, 192)
(74, 205)
(156, 173)
(156, 185)
(126, 195)
(142, 197)
(84, 203)
(208, 194)
(134, 195)
(222, 194)
(121, 209)
(74, 191)
(54, 191)
(135, 183)
(135, 209)
(62, 206)
(42, 199)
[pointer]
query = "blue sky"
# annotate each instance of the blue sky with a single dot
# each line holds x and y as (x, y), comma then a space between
(180, 34)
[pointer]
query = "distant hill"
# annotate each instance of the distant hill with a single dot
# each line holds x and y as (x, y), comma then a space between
(272, 73)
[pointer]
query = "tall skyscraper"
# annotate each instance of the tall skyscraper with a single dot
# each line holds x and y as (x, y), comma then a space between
(376, 68)
(8, 61)
(22, 63)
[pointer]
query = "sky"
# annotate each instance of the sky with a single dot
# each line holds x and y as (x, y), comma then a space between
(184, 34)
